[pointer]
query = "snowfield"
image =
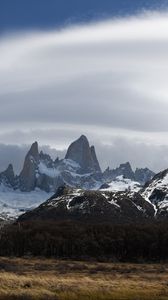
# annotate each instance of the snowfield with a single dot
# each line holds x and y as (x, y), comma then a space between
(15, 203)
(121, 184)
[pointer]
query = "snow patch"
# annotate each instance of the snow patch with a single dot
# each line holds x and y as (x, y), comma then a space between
(121, 184)
(50, 172)
(15, 203)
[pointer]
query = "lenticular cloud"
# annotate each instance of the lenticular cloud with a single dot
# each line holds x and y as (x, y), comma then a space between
(110, 75)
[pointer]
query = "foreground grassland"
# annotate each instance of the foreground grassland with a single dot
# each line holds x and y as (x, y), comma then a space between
(42, 279)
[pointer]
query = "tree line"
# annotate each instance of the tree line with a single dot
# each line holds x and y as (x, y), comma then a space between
(75, 240)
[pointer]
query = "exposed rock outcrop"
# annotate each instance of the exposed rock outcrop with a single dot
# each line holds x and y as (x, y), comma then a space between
(27, 176)
(143, 175)
(140, 175)
(8, 177)
(124, 169)
(80, 152)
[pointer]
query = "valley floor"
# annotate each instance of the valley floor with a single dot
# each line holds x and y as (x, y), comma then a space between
(42, 279)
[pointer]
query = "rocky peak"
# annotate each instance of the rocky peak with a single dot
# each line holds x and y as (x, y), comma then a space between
(8, 176)
(83, 139)
(124, 169)
(126, 166)
(80, 152)
(46, 158)
(34, 152)
(140, 175)
(143, 175)
(9, 171)
(57, 160)
(95, 160)
(28, 174)
(107, 169)
(127, 170)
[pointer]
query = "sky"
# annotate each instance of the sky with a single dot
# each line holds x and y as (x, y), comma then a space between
(97, 68)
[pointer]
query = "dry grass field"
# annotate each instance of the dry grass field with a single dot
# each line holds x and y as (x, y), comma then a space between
(47, 279)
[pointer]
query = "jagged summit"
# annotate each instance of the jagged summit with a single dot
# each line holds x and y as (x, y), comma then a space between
(140, 175)
(9, 169)
(9, 173)
(124, 170)
(83, 138)
(81, 152)
(7, 177)
(79, 168)
(127, 170)
(143, 175)
(34, 152)
(27, 178)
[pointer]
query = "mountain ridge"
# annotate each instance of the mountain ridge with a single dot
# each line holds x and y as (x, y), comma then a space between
(79, 168)
(93, 206)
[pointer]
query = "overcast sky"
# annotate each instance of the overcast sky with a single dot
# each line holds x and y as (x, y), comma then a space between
(105, 79)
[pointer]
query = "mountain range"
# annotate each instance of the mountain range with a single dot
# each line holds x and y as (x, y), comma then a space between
(80, 168)
(77, 188)
(92, 206)
(106, 205)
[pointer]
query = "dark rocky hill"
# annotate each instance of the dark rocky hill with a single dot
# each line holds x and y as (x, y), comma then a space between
(93, 206)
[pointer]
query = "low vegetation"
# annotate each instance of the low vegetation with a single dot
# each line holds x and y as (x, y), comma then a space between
(49, 279)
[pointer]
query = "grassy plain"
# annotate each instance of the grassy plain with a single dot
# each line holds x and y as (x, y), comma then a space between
(49, 279)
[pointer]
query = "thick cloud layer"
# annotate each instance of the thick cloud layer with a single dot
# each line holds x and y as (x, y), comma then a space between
(107, 80)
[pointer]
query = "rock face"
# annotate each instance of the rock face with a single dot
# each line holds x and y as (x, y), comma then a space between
(143, 175)
(96, 165)
(93, 206)
(125, 170)
(8, 177)
(27, 178)
(80, 152)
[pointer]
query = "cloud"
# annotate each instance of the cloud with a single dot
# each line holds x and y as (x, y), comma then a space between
(106, 79)
(139, 154)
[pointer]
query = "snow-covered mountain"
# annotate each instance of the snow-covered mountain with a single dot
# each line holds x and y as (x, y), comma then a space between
(121, 200)
(121, 184)
(93, 206)
(79, 168)
(41, 176)
(140, 175)
(156, 191)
